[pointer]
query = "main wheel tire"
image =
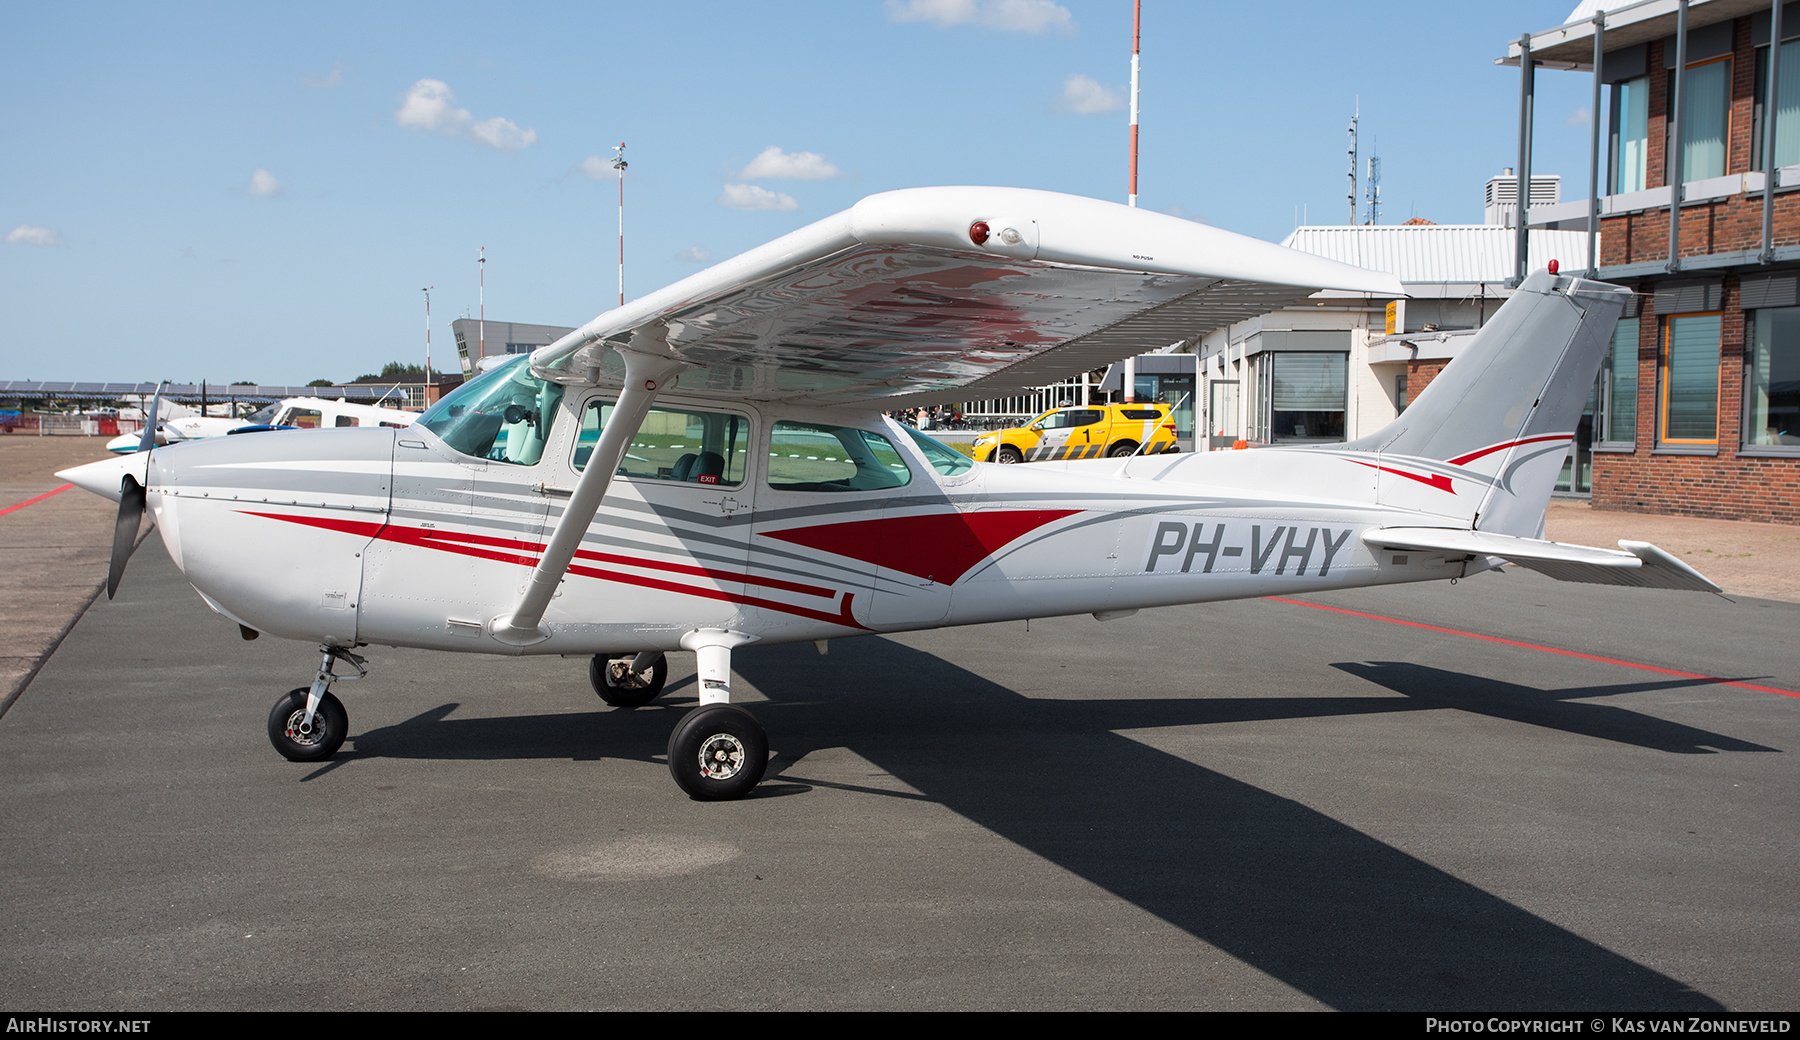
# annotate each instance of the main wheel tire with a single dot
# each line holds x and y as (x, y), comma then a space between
(1007, 455)
(718, 752)
(313, 744)
(1122, 449)
(623, 688)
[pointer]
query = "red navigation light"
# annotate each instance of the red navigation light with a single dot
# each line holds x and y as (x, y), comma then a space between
(1552, 267)
(978, 232)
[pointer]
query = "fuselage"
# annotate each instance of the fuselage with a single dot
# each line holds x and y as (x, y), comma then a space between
(395, 537)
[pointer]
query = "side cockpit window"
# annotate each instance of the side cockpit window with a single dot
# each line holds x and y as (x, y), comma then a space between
(814, 457)
(503, 415)
(711, 448)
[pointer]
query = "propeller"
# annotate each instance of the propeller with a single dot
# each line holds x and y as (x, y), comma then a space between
(132, 497)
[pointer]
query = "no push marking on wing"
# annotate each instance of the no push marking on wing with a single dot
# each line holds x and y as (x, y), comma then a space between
(1178, 546)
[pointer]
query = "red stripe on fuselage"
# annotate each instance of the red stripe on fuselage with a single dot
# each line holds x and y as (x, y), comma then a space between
(1463, 460)
(484, 546)
(939, 547)
(1436, 480)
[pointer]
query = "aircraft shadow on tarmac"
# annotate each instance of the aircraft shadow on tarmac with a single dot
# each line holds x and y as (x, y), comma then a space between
(1347, 919)
(1563, 710)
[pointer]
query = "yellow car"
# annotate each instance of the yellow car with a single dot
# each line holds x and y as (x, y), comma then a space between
(1112, 430)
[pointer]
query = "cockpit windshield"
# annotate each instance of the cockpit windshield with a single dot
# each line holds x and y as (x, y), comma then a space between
(502, 415)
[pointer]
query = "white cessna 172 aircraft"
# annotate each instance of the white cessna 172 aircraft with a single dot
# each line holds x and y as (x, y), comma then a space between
(709, 467)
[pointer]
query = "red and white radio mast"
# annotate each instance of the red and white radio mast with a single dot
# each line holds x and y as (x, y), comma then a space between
(1137, 14)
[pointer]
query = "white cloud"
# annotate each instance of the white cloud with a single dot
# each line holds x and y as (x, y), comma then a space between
(330, 79)
(1086, 95)
(595, 168)
(694, 255)
(749, 196)
(263, 183)
(1031, 16)
(774, 164)
(429, 105)
(1580, 117)
(26, 235)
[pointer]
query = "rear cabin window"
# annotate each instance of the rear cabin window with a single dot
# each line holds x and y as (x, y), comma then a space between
(346, 420)
(711, 448)
(814, 457)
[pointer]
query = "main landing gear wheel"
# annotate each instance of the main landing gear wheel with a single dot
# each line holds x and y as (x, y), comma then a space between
(718, 752)
(619, 686)
(1006, 456)
(299, 742)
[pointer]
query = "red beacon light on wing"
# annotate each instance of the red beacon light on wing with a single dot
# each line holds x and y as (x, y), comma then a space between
(1553, 266)
(978, 232)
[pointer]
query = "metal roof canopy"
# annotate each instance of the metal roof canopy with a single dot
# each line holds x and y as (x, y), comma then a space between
(1437, 261)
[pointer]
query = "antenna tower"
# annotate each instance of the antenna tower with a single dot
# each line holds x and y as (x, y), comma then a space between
(1353, 120)
(1373, 191)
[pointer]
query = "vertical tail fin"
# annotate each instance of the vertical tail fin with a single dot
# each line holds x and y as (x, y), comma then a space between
(1504, 411)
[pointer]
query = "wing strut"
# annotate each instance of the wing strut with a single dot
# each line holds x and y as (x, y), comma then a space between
(644, 374)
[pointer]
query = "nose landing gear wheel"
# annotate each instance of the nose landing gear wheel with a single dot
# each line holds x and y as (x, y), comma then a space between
(299, 742)
(718, 752)
(619, 686)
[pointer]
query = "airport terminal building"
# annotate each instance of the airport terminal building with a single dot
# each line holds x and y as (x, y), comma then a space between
(1698, 410)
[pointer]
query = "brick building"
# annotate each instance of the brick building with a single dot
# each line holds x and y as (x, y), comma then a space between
(1697, 411)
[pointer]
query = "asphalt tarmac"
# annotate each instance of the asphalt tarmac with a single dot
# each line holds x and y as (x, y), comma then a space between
(1241, 806)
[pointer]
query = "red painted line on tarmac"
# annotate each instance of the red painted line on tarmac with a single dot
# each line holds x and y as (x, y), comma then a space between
(40, 498)
(1535, 646)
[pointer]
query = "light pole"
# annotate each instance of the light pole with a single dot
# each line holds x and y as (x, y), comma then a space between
(619, 164)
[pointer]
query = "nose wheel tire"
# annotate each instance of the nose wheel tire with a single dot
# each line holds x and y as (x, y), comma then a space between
(619, 686)
(1007, 455)
(299, 742)
(718, 752)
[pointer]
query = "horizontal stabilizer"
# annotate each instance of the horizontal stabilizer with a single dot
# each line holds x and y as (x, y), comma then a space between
(1640, 564)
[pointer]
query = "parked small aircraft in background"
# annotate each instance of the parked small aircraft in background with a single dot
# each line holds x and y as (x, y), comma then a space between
(708, 467)
(292, 413)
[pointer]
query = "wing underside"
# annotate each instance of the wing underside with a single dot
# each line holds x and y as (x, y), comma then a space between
(895, 303)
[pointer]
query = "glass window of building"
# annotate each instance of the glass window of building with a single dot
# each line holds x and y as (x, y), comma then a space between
(675, 445)
(1303, 396)
(1631, 135)
(1787, 107)
(1618, 386)
(1772, 379)
(1690, 380)
(1705, 118)
(812, 457)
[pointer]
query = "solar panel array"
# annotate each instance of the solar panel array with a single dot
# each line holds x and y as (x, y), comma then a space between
(360, 392)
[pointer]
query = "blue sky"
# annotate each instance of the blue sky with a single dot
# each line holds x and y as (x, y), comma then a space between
(260, 191)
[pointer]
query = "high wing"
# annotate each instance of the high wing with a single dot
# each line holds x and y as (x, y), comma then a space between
(934, 295)
(1641, 564)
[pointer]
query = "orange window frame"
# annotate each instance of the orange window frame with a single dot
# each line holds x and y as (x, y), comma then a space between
(1668, 119)
(1662, 379)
